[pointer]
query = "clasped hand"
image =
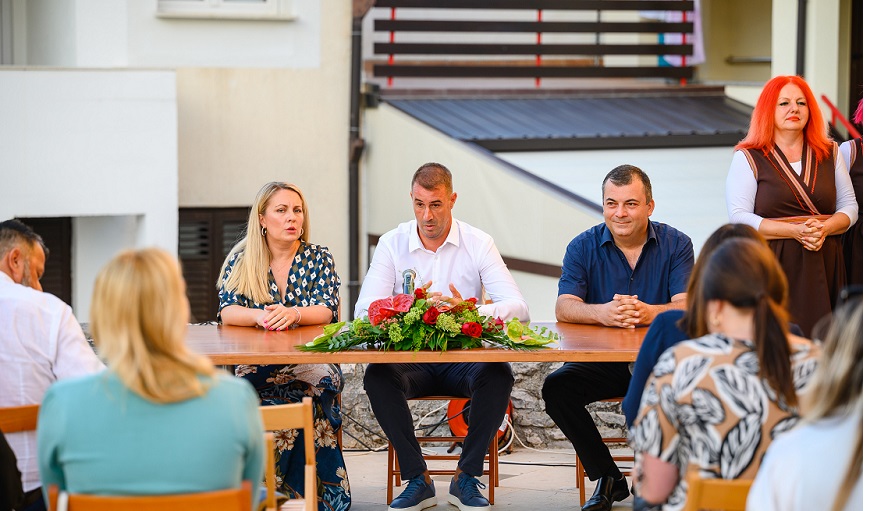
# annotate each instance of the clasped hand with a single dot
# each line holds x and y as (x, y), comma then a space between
(627, 311)
(812, 234)
(279, 317)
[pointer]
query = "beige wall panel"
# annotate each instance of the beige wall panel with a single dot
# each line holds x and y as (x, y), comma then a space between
(729, 31)
(239, 128)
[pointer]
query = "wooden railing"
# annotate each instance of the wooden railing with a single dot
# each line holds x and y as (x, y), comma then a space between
(429, 55)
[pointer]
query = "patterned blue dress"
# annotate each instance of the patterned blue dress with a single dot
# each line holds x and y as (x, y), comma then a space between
(312, 280)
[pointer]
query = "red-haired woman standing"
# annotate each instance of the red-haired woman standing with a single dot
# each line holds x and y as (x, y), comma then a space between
(789, 181)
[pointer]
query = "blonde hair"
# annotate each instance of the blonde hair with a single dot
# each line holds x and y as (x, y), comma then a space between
(249, 273)
(836, 387)
(139, 315)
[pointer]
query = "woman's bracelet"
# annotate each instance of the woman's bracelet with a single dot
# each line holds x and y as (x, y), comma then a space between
(298, 315)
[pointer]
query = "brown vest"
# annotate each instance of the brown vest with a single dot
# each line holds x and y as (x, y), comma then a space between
(814, 277)
(781, 192)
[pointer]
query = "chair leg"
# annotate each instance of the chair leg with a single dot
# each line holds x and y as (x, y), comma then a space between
(493, 468)
(580, 475)
(390, 461)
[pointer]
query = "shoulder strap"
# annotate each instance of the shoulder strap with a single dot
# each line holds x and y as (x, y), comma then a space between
(752, 163)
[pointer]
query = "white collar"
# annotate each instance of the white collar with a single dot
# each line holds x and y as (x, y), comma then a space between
(5, 277)
(453, 238)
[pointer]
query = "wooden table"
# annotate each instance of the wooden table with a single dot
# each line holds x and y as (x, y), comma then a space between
(227, 345)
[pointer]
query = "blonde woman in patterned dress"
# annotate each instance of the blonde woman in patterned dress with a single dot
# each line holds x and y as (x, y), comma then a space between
(276, 280)
(714, 404)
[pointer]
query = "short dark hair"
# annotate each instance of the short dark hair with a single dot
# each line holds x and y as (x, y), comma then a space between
(433, 175)
(623, 175)
(15, 232)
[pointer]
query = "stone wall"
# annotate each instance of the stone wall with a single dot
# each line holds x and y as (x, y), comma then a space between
(532, 426)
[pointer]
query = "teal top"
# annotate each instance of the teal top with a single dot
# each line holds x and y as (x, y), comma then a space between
(96, 436)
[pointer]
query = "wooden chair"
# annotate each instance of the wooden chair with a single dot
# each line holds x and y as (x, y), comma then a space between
(581, 472)
(491, 470)
(238, 499)
(719, 494)
(18, 418)
(291, 416)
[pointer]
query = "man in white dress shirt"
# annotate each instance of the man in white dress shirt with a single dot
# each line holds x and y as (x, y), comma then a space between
(456, 259)
(40, 342)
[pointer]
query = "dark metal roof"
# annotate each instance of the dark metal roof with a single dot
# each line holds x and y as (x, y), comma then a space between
(624, 120)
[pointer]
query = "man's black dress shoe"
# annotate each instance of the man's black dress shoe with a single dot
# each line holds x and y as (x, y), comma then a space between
(608, 490)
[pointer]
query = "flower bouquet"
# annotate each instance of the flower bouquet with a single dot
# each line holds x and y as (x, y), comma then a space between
(413, 322)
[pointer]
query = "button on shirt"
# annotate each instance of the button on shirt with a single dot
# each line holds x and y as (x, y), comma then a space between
(40, 342)
(467, 259)
(595, 269)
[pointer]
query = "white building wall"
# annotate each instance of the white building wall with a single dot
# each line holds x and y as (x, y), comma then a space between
(101, 32)
(254, 100)
(92, 144)
(688, 184)
(50, 36)
(154, 41)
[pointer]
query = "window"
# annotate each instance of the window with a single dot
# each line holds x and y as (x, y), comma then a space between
(205, 236)
(269, 10)
(57, 233)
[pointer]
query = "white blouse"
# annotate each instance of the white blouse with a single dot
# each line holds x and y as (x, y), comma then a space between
(741, 191)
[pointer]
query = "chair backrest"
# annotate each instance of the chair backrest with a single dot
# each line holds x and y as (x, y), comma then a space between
(291, 416)
(18, 418)
(718, 494)
(238, 499)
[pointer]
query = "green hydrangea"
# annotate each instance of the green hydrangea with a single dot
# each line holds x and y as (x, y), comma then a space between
(412, 316)
(448, 324)
(357, 327)
(469, 316)
(394, 331)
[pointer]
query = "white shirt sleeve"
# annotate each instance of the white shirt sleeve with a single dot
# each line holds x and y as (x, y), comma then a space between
(775, 486)
(846, 198)
(380, 280)
(741, 192)
(846, 150)
(508, 302)
(74, 356)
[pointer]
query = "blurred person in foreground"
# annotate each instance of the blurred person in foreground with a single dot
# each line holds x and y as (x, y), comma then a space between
(41, 342)
(818, 465)
(715, 403)
(275, 279)
(673, 326)
(160, 420)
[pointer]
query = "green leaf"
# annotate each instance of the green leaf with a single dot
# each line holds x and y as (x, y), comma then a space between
(329, 332)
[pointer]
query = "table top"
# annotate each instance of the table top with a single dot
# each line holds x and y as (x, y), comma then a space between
(227, 345)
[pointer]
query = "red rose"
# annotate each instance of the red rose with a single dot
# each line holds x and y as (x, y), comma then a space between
(472, 329)
(420, 294)
(495, 324)
(431, 315)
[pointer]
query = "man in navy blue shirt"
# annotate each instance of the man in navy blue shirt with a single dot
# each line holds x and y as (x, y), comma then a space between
(620, 273)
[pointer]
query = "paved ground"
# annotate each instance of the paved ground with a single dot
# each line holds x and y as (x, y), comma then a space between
(529, 480)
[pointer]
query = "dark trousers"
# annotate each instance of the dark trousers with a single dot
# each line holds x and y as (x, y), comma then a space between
(568, 390)
(389, 386)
